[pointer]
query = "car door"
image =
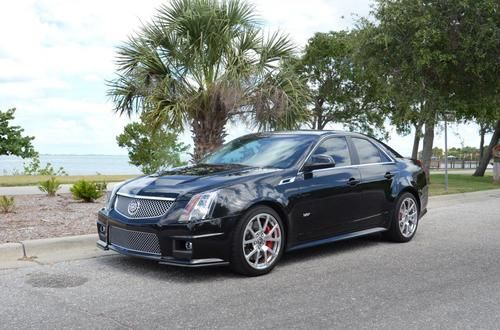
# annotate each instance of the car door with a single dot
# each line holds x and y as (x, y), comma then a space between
(328, 196)
(377, 171)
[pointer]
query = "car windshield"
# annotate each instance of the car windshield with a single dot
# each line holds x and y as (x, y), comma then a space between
(276, 151)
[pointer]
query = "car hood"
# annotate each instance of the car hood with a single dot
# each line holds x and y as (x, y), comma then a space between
(183, 182)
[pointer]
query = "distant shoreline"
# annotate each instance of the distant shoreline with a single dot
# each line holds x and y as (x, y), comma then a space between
(86, 164)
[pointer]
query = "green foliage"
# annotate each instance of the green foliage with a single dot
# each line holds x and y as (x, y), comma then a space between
(50, 186)
(34, 168)
(101, 186)
(466, 153)
(203, 63)
(437, 152)
(436, 56)
(151, 150)
(342, 91)
(7, 204)
(88, 191)
(12, 142)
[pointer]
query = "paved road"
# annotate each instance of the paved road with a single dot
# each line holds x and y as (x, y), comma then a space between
(447, 277)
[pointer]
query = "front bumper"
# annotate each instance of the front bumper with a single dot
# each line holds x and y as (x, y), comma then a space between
(205, 243)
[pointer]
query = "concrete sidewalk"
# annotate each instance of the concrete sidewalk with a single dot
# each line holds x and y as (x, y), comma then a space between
(467, 171)
(33, 190)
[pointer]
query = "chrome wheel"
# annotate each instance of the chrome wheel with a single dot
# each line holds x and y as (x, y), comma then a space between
(408, 217)
(262, 241)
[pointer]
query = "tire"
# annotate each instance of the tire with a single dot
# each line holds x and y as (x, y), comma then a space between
(404, 219)
(256, 250)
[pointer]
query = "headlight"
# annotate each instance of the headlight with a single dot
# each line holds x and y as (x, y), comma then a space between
(200, 207)
(111, 195)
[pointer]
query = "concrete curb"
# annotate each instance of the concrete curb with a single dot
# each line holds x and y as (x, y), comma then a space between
(40, 247)
(11, 252)
(48, 250)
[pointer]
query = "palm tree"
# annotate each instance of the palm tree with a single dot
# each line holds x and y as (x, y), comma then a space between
(202, 63)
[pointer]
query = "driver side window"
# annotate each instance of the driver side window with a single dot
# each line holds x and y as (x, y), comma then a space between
(336, 148)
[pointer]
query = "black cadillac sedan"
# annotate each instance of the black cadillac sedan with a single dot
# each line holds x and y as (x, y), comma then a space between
(262, 195)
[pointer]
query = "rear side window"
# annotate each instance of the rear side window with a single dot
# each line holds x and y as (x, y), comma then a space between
(367, 152)
(336, 148)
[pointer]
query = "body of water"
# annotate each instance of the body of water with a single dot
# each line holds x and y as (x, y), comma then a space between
(74, 164)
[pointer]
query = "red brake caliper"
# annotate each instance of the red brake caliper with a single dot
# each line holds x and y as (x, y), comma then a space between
(266, 231)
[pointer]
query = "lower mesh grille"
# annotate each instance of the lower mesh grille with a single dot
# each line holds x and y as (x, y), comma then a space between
(137, 241)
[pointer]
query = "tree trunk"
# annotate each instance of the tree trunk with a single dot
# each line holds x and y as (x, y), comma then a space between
(416, 140)
(317, 118)
(427, 147)
(482, 133)
(208, 133)
(483, 163)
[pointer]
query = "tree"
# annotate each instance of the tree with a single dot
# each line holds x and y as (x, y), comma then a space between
(437, 152)
(487, 115)
(483, 163)
(151, 150)
(202, 63)
(406, 44)
(484, 128)
(436, 56)
(12, 141)
(340, 89)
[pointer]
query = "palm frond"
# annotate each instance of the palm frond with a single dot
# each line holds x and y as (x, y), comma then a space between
(208, 58)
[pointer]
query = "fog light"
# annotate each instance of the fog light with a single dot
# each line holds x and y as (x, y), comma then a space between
(189, 246)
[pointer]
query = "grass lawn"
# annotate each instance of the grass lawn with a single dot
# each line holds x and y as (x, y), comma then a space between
(461, 183)
(457, 183)
(30, 180)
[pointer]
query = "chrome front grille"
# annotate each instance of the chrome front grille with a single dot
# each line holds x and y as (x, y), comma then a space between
(136, 241)
(137, 207)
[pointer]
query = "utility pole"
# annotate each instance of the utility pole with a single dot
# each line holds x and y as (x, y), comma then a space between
(445, 153)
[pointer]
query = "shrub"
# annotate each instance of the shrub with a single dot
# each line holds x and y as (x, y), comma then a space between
(35, 168)
(102, 186)
(7, 204)
(152, 150)
(87, 191)
(51, 186)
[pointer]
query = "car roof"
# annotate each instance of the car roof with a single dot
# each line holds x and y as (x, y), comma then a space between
(319, 134)
(311, 132)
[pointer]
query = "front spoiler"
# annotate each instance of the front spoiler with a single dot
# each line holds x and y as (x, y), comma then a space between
(161, 259)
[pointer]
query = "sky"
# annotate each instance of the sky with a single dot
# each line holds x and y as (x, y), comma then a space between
(56, 55)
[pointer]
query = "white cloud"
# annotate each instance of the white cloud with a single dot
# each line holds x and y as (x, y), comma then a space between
(56, 54)
(302, 19)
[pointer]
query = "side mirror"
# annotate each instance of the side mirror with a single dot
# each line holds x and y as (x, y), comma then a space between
(318, 162)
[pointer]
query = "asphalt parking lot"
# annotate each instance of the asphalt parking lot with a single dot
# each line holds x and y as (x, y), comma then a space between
(447, 277)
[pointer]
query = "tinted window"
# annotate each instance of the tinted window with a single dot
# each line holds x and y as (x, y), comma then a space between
(393, 153)
(277, 151)
(385, 158)
(336, 148)
(367, 152)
